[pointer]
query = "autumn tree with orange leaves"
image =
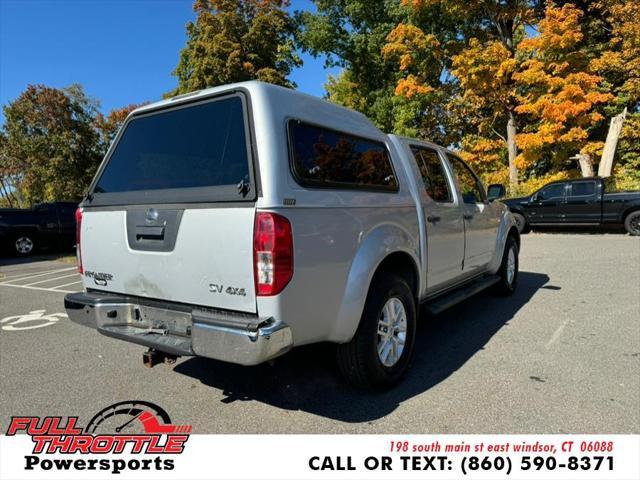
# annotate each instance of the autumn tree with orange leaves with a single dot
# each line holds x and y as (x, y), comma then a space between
(560, 97)
(531, 89)
(484, 61)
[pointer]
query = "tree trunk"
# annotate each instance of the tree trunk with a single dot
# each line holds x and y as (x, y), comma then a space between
(586, 164)
(513, 149)
(605, 169)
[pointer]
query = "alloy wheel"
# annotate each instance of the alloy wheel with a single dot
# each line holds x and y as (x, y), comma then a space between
(24, 245)
(392, 332)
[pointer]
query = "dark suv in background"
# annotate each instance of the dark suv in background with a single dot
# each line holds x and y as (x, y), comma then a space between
(47, 225)
(579, 202)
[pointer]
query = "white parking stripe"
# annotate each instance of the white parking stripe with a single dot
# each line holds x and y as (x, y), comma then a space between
(49, 280)
(38, 288)
(556, 334)
(9, 275)
(6, 282)
(66, 284)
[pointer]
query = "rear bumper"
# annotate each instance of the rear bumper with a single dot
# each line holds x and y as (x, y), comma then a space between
(179, 330)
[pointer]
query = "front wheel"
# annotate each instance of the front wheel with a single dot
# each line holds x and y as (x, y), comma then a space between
(380, 352)
(23, 244)
(632, 223)
(508, 271)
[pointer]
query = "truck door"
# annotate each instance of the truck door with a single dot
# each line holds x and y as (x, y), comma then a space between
(583, 203)
(480, 220)
(445, 231)
(547, 204)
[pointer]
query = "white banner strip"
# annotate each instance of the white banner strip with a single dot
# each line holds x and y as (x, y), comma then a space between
(343, 457)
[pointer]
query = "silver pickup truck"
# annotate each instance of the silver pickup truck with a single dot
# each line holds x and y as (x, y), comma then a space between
(240, 221)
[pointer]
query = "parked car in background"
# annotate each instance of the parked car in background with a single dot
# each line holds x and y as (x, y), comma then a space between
(240, 221)
(580, 202)
(46, 225)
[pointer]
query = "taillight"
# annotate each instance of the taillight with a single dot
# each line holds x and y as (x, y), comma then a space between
(78, 230)
(272, 253)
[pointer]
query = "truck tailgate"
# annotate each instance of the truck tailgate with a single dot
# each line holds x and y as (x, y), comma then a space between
(210, 262)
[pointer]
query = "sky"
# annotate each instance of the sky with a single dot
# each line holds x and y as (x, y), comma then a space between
(121, 51)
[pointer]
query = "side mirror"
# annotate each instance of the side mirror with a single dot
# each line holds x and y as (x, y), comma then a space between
(496, 191)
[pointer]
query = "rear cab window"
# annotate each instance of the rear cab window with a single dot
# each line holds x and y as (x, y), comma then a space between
(326, 158)
(189, 153)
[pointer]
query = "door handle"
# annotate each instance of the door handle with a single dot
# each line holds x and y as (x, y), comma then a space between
(149, 233)
(433, 218)
(467, 216)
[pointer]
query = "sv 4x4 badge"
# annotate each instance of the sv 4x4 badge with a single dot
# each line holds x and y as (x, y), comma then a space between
(219, 288)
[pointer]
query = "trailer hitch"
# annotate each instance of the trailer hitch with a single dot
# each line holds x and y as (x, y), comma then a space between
(152, 357)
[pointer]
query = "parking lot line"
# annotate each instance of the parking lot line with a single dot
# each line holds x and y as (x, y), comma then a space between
(49, 280)
(66, 284)
(29, 276)
(38, 288)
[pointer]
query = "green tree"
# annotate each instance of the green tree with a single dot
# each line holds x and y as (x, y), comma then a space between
(51, 146)
(237, 40)
(379, 72)
(8, 177)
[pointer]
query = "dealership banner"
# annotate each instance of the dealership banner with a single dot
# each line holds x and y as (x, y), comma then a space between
(55, 447)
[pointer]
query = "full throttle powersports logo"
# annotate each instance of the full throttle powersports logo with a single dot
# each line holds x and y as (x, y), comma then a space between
(130, 427)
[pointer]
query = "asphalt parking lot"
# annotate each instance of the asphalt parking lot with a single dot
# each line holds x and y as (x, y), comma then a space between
(560, 356)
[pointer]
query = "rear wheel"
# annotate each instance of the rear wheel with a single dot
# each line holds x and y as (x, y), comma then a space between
(508, 269)
(632, 223)
(380, 351)
(23, 244)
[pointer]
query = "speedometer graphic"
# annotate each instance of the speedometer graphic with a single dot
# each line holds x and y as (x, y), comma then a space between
(134, 416)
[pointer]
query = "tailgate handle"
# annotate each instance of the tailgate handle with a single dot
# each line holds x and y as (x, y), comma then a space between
(149, 233)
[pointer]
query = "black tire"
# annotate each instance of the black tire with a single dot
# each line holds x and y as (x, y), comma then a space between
(632, 223)
(521, 223)
(508, 284)
(358, 360)
(23, 244)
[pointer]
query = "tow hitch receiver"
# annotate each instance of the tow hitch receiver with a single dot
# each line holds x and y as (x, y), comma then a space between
(152, 357)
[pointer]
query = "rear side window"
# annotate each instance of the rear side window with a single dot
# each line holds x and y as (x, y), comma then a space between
(583, 189)
(433, 174)
(326, 158)
(181, 149)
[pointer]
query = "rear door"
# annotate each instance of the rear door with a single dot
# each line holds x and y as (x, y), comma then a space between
(445, 230)
(171, 212)
(547, 205)
(480, 220)
(583, 203)
(47, 219)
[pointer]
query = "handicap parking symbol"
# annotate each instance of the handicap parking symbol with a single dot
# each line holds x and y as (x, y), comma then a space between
(31, 320)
